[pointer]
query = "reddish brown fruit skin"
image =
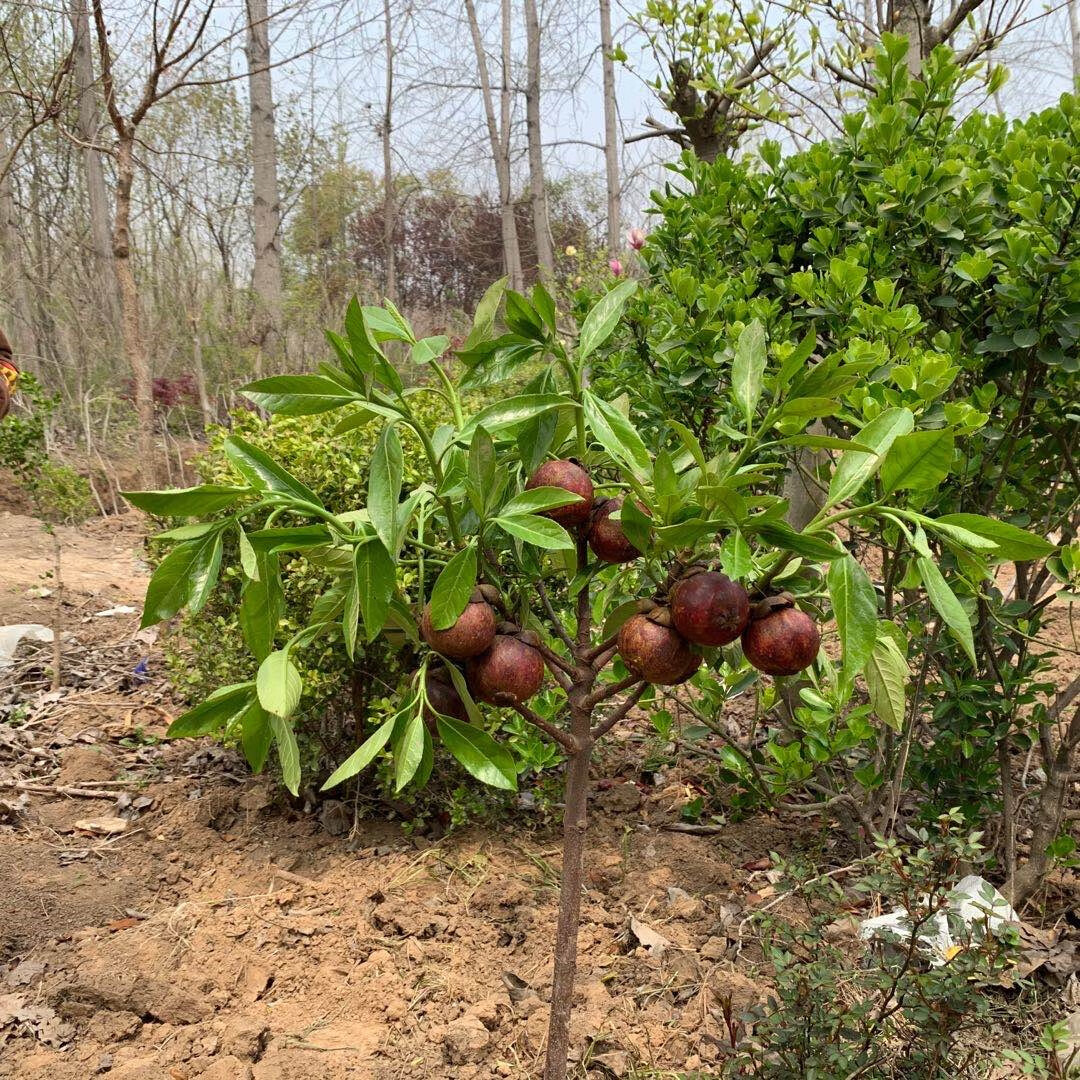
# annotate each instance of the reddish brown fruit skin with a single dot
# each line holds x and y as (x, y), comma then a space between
(657, 654)
(570, 476)
(783, 642)
(710, 608)
(606, 537)
(469, 636)
(443, 698)
(509, 667)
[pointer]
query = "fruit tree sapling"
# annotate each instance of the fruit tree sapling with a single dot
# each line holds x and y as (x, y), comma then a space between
(481, 562)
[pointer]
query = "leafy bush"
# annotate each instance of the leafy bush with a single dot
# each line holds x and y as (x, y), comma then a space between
(927, 263)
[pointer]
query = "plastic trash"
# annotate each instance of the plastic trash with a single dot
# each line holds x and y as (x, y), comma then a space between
(975, 907)
(11, 636)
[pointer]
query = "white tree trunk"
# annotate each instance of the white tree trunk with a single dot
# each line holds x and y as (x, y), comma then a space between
(545, 254)
(911, 19)
(499, 145)
(611, 136)
(1074, 37)
(266, 209)
(88, 128)
(389, 204)
(14, 290)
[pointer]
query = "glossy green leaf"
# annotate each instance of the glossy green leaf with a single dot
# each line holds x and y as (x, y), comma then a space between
(947, 605)
(479, 754)
(481, 470)
(288, 752)
(259, 470)
(603, 318)
(278, 684)
(297, 395)
(748, 369)
(213, 713)
(376, 577)
(384, 484)
(811, 546)
(185, 576)
(362, 756)
(453, 588)
(187, 502)
(262, 605)
(1013, 543)
(256, 735)
(486, 310)
(543, 532)
(616, 435)
(538, 499)
(856, 467)
(886, 676)
(855, 610)
(515, 410)
(917, 462)
(409, 749)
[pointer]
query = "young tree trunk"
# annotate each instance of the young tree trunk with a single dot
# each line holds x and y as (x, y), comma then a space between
(130, 318)
(14, 291)
(545, 255)
(88, 127)
(500, 146)
(611, 146)
(1074, 37)
(911, 19)
(200, 371)
(266, 209)
(389, 205)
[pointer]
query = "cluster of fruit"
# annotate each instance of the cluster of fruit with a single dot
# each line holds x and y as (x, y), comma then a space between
(702, 608)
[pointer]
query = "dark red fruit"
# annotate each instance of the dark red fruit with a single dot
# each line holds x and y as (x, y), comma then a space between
(569, 476)
(606, 537)
(512, 670)
(442, 697)
(656, 653)
(473, 632)
(783, 641)
(709, 608)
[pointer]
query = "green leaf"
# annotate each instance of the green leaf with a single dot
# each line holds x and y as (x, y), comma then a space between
(735, 557)
(1013, 543)
(288, 752)
(855, 609)
(376, 577)
(616, 435)
(213, 713)
(481, 470)
(384, 484)
(917, 462)
(690, 441)
(537, 499)
(350, 612)
(186, 502)
(362, 756)
(278, 684)
(361, 417)
(618, 615)
(886, 680)
(256, 734)
(795, 361)
(515, 410)
(480, 755)
(484, 318)
(429, 349)
(808, 545)
(186, 575)
(262, 604)
(602, 319)
(955, 533)
(855, 466)
(947, 605)
(297, 395)
(409, 751)
(543, 532)
(825, 442)
(748, 369)
(259, 470)
(296, 538)
(453, 588)
(249, 559)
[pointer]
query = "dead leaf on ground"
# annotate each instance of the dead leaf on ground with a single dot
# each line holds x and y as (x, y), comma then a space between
(103, 826)
(17, 1017)
(651, 941)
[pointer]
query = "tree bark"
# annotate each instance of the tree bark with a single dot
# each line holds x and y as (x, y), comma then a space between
(200, 371)
(14, 291)
(611, 146)
(911, 19)
(389, 204)
(545, 254)
(88, 127)
(130, 315)
(499, 144)
(266, 209)
(1074, 37)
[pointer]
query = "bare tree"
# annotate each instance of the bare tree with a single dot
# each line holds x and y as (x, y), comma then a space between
(611, 120)
(266, 211)
(500, 141)
(1074, 37)
(87, 129)
(545, 254)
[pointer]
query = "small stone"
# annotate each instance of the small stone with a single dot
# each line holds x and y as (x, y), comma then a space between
(466, 1040)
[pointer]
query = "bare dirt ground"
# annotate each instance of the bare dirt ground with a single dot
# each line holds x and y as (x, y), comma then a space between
(164, 915)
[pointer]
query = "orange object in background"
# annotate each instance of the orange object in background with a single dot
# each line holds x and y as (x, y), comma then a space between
(9, 375)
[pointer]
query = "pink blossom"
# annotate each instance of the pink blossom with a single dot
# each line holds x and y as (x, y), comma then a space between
(636, 239)
(616, 267)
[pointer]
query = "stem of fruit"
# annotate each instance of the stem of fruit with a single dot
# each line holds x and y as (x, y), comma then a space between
(575, 822)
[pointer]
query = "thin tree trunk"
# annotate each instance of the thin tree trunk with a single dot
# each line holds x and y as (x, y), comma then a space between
(545, 254)
(1074, 37)
(200, 371)
(266, 208)
(911, 19)
(611, 146)
(389, 205)
(14, 291)
(499, 145)
(88, 127)
(130, 317)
